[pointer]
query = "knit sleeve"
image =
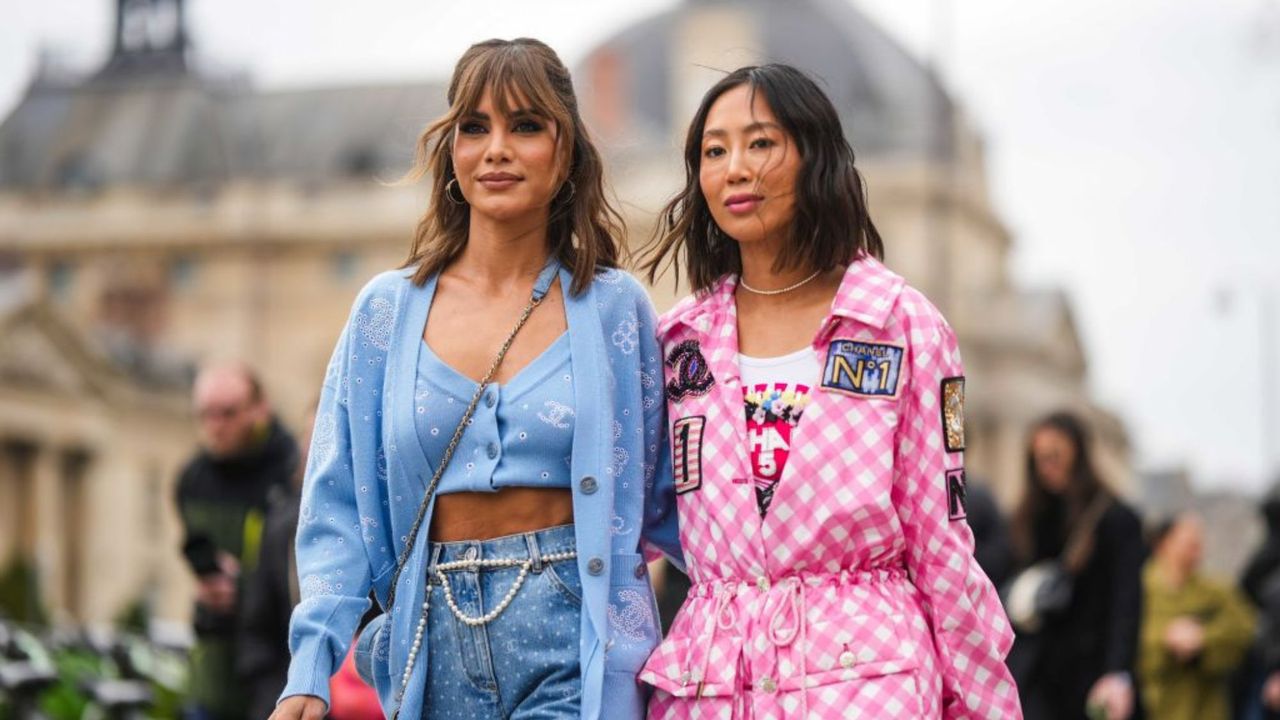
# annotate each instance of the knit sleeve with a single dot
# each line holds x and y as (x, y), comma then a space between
(333, 568)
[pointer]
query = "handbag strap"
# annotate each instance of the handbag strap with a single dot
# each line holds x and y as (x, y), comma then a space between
(540, 289)
(1082, 534)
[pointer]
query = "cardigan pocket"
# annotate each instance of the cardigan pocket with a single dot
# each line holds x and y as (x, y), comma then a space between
(632, 613)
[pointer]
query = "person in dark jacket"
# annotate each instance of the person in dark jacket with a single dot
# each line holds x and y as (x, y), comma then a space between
(245, 455)
(1081, 659)
(270, 592)
(1259, 686)
(1265, 561)
(991, 546)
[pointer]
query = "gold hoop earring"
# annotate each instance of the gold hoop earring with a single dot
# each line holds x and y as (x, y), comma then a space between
(448, 192)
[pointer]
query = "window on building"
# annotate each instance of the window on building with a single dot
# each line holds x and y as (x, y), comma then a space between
(182, 272)
(360, 162)
(345, 265)
(62, 275)
(76, 174)
(74, 466)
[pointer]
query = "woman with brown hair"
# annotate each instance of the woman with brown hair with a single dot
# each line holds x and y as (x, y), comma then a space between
(1077, 655)
(488, 451)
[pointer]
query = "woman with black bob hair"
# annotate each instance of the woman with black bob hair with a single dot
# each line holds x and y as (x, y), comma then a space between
(1075, 659)
(816, 420)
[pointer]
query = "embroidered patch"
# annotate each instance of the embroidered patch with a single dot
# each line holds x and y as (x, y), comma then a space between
(957, 502)
(686, 452)
(690, 375)
(863, 369)
(953, 413)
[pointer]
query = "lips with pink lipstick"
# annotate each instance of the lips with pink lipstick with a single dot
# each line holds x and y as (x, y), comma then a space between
(743, 203)
(498, 180)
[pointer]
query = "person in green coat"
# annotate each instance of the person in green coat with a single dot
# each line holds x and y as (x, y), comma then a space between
(1194, 631)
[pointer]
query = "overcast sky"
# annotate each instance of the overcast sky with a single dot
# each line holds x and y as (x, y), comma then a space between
(1134, 150)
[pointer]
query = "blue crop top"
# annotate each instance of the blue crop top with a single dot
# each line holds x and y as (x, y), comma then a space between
(521, 434)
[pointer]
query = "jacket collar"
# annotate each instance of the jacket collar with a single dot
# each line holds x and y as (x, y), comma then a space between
(867, 294)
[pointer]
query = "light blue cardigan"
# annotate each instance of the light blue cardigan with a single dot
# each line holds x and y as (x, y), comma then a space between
(367, 472)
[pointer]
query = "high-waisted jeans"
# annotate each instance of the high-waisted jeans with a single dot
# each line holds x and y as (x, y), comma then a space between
(521, 665)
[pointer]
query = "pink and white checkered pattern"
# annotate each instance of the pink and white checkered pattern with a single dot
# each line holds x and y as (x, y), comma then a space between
(856, 595)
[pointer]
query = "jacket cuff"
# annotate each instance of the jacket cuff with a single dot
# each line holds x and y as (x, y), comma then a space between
(310, 670)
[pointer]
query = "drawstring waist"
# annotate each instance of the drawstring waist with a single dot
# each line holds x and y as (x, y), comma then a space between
(845, 576)
(785, 610)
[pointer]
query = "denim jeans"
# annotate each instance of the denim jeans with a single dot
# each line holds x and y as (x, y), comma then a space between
(524, 663)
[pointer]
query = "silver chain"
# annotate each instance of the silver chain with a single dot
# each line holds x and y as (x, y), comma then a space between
(534, 301)
(453, 445)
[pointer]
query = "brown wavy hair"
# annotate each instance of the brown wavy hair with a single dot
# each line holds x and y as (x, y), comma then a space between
(1084, 488)
(583, 228)
(832, 225)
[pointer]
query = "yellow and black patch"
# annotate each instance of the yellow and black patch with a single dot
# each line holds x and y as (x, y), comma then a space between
(953, 413)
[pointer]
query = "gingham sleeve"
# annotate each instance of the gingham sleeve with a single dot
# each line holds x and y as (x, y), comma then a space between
(661, 523)
(972, 632)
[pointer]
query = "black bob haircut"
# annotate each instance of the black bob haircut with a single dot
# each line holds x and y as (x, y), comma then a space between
(831, 226)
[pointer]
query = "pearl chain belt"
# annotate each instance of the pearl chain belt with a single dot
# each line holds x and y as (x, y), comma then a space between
(524, 564)
(474, 564)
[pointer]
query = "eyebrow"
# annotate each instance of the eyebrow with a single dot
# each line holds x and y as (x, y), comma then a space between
(515, 115)
(717, 132)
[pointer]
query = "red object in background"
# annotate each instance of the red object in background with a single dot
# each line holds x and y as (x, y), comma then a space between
(349, 697)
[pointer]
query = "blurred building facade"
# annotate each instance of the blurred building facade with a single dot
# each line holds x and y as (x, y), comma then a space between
(153, 216)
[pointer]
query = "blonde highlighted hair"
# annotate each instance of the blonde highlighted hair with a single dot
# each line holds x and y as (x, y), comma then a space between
(583, 229)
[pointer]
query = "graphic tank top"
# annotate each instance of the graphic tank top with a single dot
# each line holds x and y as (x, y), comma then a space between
(775, 392)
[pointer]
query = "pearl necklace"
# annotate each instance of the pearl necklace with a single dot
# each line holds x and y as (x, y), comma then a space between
(789, 288)
(524, 564)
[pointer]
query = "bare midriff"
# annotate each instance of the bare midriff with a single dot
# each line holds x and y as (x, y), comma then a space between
(484, 516)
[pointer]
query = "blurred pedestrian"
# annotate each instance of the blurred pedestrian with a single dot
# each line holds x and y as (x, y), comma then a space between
(488, 452)
(222, 496)
(1079, 546)
(1258, 691)
(270, 594)
(817, 407)
(1195, 631)
(991, 544)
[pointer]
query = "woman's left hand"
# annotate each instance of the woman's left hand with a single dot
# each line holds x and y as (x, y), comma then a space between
(1114, 692)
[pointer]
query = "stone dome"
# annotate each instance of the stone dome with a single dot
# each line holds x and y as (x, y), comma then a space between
(890, 104)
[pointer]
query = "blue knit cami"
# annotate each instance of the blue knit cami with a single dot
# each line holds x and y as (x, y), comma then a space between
(521, 434)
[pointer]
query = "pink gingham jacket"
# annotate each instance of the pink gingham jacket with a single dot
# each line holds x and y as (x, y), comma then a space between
(857, 595)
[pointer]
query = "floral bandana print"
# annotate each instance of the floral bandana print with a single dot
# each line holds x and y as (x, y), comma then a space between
(773, 411)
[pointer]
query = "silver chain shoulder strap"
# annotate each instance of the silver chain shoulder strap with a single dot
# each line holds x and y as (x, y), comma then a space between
(539, 292)
(534, 301)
